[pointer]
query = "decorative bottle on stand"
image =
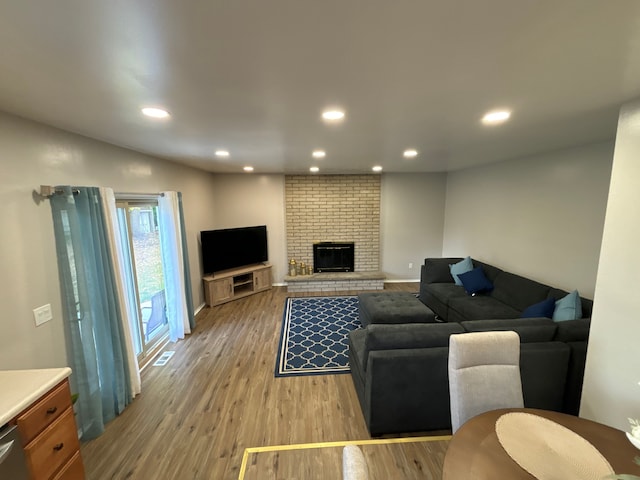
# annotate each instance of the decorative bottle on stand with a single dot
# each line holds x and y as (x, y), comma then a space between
(292, 268)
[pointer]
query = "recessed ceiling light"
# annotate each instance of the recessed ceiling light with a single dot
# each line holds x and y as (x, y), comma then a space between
(333, 115)
(377, 168)
(410, 153)
(248, 169)
(222, 153)
(319, 154)
(496, 116)
(155, 112)
(314, 169)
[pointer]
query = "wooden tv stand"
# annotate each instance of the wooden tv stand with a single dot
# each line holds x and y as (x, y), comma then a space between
(235, 283)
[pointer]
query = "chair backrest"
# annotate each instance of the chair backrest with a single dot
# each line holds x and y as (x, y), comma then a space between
(354, 466)
(484, 374)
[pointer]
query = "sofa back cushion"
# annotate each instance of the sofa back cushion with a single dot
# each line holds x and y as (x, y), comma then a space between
(436, 270)
(490, 271)
(405, 336)
(518, 292)
(529, 329)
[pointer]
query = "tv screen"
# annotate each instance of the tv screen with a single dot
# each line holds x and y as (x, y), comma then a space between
(233, 247)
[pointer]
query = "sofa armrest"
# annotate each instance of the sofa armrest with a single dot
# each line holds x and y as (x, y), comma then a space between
(543, 368)
(407, 390)
(573, 330)
(530, 330)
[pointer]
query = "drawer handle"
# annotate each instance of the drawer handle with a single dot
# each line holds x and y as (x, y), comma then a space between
(58, 447)
(52, 410)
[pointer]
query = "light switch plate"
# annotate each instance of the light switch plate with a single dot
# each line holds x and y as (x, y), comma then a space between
(42, 314)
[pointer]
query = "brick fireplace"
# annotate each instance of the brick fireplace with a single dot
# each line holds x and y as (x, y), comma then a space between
(334, 208)
(340, 209)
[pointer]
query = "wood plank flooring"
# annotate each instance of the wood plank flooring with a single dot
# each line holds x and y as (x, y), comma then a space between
(418, 460)
(218, 395)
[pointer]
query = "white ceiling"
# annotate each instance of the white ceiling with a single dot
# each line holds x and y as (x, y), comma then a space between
(252, 77)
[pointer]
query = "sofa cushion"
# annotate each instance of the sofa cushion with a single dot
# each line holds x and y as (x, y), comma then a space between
(541, 309)
(479, 307)
(568, 307)
(463, 266)
(446, 291)
(392, 307)
(475, 281)
(518, 292)
(436, 270)
(437, 296)
(529, 329)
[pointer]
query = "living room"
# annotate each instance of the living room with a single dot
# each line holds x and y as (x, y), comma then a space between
(558, 216)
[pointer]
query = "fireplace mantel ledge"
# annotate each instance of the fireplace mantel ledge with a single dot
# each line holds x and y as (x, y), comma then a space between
(335, 276)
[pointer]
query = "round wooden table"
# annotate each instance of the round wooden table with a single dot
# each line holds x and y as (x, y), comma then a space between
(475, 453)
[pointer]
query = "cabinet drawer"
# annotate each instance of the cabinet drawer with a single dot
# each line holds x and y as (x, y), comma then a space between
(41, 414)
(73, 470)
(53, 447)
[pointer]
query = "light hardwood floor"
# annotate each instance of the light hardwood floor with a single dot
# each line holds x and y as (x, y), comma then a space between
(218, 395)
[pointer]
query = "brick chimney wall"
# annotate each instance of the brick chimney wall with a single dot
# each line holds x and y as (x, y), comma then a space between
(334, 208)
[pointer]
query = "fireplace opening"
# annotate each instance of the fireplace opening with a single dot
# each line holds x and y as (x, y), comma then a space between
(333, 257)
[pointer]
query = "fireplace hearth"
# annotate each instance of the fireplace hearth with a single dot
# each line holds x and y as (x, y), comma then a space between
(333, 257)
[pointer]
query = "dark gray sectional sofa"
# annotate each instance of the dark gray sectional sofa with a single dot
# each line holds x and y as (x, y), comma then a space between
(400, 370)
(511, 293)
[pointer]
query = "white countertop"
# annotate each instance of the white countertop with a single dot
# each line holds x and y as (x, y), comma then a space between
(19, 389)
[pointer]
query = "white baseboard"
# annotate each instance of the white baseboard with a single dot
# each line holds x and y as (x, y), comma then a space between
(199, 308)
(408, 280)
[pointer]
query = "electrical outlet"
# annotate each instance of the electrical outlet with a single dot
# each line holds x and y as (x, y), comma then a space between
(42, 314)
(410, 265)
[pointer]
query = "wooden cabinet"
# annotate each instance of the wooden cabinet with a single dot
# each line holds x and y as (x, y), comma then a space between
(50, 436)
(236, 283)
(262, 279)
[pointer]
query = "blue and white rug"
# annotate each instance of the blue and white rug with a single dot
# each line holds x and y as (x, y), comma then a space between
(314, 335)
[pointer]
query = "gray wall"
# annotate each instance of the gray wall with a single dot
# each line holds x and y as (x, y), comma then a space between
(611, 391)
(412, 216)
(250, 199)
(540, 216)
(31, 155)
(412, 222)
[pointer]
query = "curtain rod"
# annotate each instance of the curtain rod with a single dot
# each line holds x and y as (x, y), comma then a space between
(134, 195)
(49, 191)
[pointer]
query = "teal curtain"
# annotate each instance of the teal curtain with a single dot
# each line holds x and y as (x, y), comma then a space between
(187, 271)
(93, 320)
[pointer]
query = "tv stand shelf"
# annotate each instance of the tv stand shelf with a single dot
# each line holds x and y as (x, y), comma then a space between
(228, 285)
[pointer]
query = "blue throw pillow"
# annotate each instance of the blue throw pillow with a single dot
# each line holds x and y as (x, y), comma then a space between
(541, 309)
(475, 281)
(463, 266)
(568, 308)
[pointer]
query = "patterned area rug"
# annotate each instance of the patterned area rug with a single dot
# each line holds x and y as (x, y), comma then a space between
(313, 339)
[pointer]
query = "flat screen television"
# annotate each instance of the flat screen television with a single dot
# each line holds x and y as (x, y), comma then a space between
(233, 248)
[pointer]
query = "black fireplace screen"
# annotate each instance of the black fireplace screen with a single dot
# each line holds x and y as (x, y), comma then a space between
(333, 257)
